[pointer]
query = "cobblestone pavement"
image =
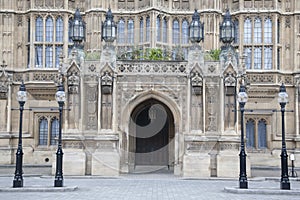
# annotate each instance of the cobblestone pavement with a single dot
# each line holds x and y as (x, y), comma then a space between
(141, 186)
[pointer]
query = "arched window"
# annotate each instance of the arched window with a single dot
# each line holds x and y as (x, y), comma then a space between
(148, 29)
(247, 31)
(250, 133)
(158, 30)
(49, 56)
(257, 58)
(165, 30)
(121, 31)
(43, 131)
(141, 30)
(39, 29)
(175, 30)
(185, 32)
(262, 134)
(268, 31)
(54, 130)
(268, 57)
(257, 30)
(130, 31)
(59, 29)
(49, 29)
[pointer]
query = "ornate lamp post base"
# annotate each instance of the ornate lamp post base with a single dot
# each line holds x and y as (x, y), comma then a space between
(243, 184)
(59, 182)
(18, 182)
(285, 185)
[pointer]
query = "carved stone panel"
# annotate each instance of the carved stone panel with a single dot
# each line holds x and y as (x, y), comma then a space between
(91, 100)
(212, 106)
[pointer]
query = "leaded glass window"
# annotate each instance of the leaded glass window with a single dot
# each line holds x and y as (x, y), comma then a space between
(247, 31)
(148, 29)
(268, 31)
(54, 130)
(49, 58)
(158, 29)
(141, 30)
(58, 52)
(185, 32)
(262, 134)
(250, 133)
(165, 30)
(121, 32)
(39, 29)
(38, 56)
(248, 62)
(257, 30)
(268, 61)
(130, 31)
(43, 131)
(257, 58)
(175, 29)
(59, 29)
(49, 29)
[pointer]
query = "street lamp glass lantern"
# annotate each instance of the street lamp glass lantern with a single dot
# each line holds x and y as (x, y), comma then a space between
(22, 94)
(196, 29)
(242, 95)
(60, 95)
(77, 28)
(227, 29)
(109, 27)
(283, 97)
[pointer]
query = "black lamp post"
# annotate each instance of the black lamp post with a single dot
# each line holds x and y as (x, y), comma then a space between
(196, 29)
(60, 98)
(242, 98)
(284, 182)
(18, 179)
(109, 28)
(77, 29)
(227, 29)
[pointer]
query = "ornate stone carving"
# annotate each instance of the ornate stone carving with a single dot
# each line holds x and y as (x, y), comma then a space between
(106, 83)
(73, 83)
(197, 82)
(92, 98)
(5, 81)
(230, 80)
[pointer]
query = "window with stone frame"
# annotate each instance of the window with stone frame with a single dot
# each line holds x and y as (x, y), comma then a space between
(258, 43)
(47, 129)
(256, 133)
(48, 41)
(141, 30)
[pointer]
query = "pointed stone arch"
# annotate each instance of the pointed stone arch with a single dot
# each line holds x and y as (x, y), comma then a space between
(73, 78)
(133, 106)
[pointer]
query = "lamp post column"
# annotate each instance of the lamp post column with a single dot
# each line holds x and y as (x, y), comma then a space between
(242, 99)
(18, 178)
(284, 182)
(60, 97)
(243, 175)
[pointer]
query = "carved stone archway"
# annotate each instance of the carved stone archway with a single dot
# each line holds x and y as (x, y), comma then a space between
(131, 110)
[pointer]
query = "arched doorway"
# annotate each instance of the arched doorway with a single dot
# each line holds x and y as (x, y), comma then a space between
(151, 135)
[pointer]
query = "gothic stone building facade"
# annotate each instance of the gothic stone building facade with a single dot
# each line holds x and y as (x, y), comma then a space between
(123, 112)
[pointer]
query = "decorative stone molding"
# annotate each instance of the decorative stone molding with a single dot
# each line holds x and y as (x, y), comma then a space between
(152, 67)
